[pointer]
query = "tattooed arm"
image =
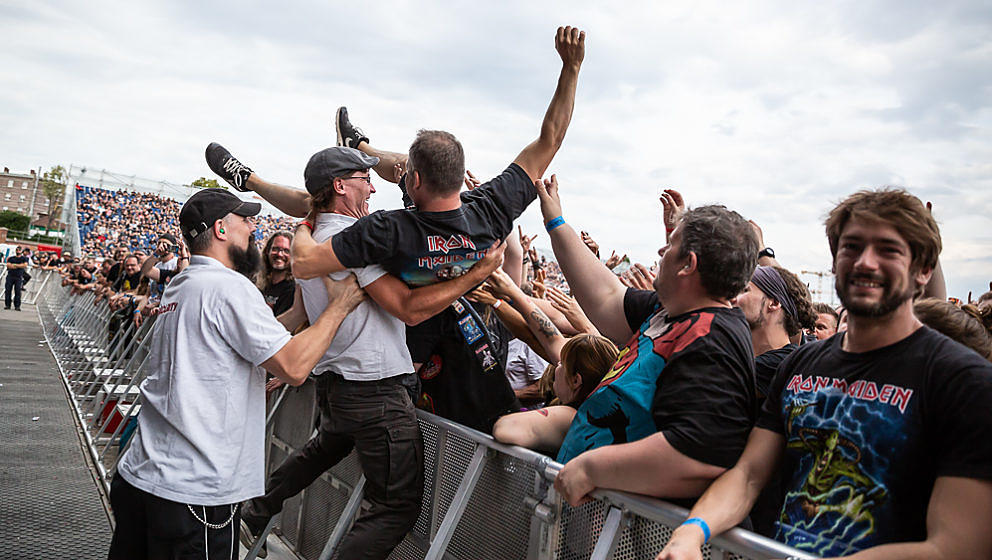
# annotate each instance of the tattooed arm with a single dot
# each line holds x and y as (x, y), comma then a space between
(543, 328)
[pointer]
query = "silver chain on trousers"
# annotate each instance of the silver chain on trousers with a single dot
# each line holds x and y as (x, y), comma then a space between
(234, 510)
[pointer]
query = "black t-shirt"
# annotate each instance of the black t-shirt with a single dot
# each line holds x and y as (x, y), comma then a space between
(422, 248)
(114, 273)
(766, 364)
(16, 273)
(128, 282)
(868, 434)
(280, 296)
(690, 377)
(452, 381)
(85, 275)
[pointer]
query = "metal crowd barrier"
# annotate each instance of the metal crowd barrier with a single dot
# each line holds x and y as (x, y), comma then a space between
(482, 499)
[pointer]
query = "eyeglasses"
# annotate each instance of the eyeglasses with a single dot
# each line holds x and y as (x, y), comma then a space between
(366, 178)
(279, 250)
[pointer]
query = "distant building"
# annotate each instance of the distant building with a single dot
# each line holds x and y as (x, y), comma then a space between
(20, 192)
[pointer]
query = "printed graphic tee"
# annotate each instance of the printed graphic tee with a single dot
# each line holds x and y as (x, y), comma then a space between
(690, 377)
(867, 435)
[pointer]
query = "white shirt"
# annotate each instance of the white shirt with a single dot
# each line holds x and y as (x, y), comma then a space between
(201, 431)
(370, 343)
(523, 365)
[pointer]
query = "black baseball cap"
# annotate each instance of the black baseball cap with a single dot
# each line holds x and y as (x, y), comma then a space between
(209, 205)
(329, 163)
(168, 237)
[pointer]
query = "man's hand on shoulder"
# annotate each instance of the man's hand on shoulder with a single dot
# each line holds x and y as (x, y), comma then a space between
(344, 294)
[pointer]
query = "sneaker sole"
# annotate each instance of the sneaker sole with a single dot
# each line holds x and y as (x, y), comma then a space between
(337, 126)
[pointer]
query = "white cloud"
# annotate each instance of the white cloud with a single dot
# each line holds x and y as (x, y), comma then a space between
(775, 109)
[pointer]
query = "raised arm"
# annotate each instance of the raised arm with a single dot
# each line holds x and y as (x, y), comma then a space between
(412, 306)
(538, 323)
(148, 269)
(594, 286)
(535, 158)
(311, 259)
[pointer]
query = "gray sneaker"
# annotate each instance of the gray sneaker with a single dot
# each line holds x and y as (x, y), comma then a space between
(349, 135)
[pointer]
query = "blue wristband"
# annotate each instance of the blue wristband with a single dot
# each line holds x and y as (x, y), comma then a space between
(702, 525)
(551, 225)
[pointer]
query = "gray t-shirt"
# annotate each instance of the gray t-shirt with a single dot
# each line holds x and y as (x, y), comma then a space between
(201, 431)
(370, 343)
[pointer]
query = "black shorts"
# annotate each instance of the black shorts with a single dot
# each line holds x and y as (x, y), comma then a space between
(149, 527)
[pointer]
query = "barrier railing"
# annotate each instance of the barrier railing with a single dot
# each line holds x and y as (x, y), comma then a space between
(482, 499)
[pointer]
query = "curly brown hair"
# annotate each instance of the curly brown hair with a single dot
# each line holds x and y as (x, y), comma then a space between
(804, 303)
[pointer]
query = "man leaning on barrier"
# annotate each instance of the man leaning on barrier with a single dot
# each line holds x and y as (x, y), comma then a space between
(199, 447)
(882, 430)
(674, 411)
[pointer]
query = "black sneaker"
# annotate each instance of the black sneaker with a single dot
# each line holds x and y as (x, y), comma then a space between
(227, 166)
(349, 135)
(248, 538)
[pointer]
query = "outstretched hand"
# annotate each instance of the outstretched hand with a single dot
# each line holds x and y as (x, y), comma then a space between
(538, 285)
(757, 233)
(501, 285)
(570, 43)
(547, 191)
(525, 241)
(614, 260)
(590, 242)
(673, 206)
(471, 183)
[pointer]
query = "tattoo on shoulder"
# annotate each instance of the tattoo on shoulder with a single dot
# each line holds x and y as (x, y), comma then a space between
(544, 324)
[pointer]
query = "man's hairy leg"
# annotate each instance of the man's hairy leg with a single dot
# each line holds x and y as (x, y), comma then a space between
(391, 165)
(289, 200)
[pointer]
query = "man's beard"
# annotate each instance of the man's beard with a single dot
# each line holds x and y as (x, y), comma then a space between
(246, 261)
(891, 300)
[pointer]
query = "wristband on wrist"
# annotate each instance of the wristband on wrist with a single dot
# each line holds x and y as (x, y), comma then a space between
(553, 223)
(498, 303)
(701, 524)
(669, 229)
(305, 223)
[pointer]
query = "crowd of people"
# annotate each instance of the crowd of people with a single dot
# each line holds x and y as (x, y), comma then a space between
(710, 378)
(112, 220)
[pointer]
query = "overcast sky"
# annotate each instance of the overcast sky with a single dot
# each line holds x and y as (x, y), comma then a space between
(776, 109)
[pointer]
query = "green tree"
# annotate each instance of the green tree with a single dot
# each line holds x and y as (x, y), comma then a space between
(15, 221)
(204, 183)
(53, 186)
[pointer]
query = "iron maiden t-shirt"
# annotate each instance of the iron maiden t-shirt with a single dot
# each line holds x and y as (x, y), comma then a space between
(867, 435)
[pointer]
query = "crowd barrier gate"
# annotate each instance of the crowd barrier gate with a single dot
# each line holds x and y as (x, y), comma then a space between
(482, 499)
